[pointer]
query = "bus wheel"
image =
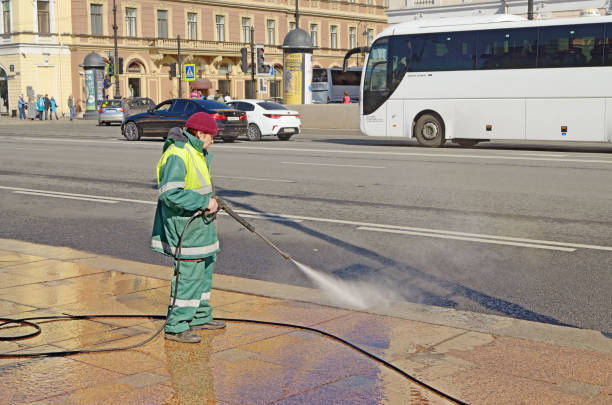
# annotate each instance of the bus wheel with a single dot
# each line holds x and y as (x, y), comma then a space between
(429, 131)
(467, 143)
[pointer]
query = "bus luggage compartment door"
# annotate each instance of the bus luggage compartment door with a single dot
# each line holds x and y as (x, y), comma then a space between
(395, 118)
(490, 119)
(578, 119)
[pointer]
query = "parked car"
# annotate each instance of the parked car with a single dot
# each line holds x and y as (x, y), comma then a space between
(268, 118)
(115, 110)
(175, 112)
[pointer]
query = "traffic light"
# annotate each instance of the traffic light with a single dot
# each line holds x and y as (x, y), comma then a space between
(259, 52)
(244, 60)
(120, 66)
(173, 70)
(111, 67)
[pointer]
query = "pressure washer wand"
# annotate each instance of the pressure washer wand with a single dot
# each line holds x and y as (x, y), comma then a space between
(225, 206)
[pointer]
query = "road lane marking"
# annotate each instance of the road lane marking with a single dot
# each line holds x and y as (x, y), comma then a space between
(333, 165)
(268, 215)
(480, 240)
(97, 197)
(438, 155)
(221, 148)
(542, 154)
(66, 196)
(17, 148)
(254, 178)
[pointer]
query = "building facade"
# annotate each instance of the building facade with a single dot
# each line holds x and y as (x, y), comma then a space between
(44, 42)
(404, 10)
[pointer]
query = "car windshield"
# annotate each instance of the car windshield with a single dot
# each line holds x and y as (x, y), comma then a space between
(112, 104)
(212, 105)
(268, 105)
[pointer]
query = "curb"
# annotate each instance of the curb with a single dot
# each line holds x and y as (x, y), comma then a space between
(584, 339)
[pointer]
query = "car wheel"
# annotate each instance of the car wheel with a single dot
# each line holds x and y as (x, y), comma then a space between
(131, 131)
(284, 137)
(107, 123)
(429, 131)
(228, 139)
(253, 133)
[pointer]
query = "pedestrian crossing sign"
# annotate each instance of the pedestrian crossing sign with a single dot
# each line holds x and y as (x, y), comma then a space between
(189, 72)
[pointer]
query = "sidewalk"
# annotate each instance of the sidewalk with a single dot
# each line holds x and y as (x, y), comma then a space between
(480, 359)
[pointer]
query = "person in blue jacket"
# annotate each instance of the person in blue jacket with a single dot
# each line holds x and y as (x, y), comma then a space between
(53, 109)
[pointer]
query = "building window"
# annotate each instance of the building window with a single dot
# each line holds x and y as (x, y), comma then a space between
(352, 37)
(370, 35)
(6, 15)
(386, 3)
(333, 37)
(96, 19)
(291, 25)
(246, 29)
(220, 21)
(42, 7)
(370, 2)
(192, 26)
(130, 22)
(162, 23)
(271, 26)
(314, 32)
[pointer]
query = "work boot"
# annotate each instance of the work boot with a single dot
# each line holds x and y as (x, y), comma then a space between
(183, 337)
(214, 324)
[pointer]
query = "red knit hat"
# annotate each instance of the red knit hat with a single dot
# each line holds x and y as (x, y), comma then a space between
(202, 121)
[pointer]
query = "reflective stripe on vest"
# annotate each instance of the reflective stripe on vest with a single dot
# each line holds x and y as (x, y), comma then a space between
(187, 251)
(197, 178)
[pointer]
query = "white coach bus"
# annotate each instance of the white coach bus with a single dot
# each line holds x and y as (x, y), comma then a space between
(472, 79)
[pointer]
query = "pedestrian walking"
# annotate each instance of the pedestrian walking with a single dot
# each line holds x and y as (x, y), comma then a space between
(21, 104)
(346, 99)
(71, 106)
(47, 102)
(184, 187)
(40, 106)
(227, 98)
(219, 97)
(53, 109)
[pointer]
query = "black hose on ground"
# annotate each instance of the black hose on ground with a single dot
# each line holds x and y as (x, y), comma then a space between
(28, 322)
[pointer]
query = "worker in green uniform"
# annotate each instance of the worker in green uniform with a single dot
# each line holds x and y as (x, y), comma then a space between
(184, 187)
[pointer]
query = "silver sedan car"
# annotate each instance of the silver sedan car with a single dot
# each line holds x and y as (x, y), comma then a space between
(115, 110)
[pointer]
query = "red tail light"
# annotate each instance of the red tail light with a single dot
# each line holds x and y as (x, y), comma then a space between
(218, 117)
(100, 111)
(272, 115)
(243, 117)
(122, 110)
(297, 115)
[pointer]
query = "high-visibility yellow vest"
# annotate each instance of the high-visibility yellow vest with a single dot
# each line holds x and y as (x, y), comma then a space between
(197, 177)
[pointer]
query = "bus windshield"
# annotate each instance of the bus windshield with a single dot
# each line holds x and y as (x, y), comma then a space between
(375, 82)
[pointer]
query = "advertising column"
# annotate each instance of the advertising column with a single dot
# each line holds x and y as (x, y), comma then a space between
(93, 65)
(297, 52)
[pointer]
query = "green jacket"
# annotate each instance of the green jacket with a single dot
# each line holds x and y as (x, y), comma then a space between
(182, 193)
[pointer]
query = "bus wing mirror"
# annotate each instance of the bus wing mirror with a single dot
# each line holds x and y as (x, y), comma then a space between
(359, 49)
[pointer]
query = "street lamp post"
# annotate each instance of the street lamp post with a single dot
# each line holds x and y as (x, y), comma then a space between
(116, 61)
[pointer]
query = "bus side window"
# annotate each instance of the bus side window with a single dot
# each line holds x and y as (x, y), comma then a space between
(507, 49)
(571, 45)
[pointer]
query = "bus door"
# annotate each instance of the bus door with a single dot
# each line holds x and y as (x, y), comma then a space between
(375, 91)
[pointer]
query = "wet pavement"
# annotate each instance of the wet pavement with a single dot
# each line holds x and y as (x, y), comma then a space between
(258, 364)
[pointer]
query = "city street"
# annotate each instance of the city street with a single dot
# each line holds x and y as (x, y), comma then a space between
(521, 230)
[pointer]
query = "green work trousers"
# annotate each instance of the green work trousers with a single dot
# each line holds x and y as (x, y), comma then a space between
(191, 307)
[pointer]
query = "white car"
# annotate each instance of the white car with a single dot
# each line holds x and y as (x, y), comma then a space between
(268, 118)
